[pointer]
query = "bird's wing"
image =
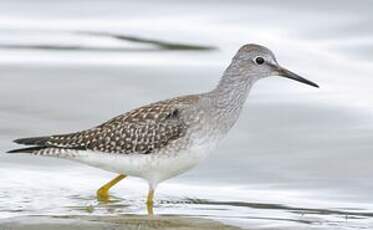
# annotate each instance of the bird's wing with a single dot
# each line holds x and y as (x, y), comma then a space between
(142, 130)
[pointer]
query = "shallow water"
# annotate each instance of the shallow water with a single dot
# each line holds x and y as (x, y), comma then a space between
(298, 158)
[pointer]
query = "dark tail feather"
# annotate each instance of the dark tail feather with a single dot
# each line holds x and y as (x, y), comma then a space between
(26, 150)
(32, 141)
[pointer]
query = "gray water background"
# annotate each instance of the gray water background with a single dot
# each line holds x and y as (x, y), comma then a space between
(299, 157)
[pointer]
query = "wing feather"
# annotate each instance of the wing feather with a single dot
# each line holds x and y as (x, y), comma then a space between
(143, 130)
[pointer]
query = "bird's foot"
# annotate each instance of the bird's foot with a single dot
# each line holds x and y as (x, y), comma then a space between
(149, 207)
(103, 194)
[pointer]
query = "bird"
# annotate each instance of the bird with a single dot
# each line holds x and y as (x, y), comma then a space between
(166, 138)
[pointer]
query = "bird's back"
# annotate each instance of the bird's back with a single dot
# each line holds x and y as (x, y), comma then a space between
(144, 130)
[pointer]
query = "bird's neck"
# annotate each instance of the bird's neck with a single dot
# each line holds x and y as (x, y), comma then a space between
(229, 96)
(232, 89)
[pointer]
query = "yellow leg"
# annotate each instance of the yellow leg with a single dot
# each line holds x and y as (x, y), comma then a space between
(149, 201)
(102, 193)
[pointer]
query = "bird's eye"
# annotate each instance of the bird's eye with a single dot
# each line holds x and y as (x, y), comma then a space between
(259, 60)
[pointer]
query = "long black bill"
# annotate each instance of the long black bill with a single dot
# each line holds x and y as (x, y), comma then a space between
(288, 74)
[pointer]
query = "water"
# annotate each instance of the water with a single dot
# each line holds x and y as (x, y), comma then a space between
(298, 158)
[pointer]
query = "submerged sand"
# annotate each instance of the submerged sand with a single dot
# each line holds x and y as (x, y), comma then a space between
(127, 222)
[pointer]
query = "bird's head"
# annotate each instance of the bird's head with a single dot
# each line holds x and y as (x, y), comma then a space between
(259, 62)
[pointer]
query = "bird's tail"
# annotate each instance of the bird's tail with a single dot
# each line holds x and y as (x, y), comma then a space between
(39, 143)
(39, 146)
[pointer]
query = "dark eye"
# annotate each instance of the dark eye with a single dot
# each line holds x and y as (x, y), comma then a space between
(259, 60)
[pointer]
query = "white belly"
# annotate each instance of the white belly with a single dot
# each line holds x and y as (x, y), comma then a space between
(152, 167)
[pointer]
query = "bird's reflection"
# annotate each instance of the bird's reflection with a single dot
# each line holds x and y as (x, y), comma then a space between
(109, 200)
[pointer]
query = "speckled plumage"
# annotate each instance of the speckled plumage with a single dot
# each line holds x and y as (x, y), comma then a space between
(144, 130)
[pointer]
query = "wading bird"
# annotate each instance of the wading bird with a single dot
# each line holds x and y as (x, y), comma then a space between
(166, 138)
